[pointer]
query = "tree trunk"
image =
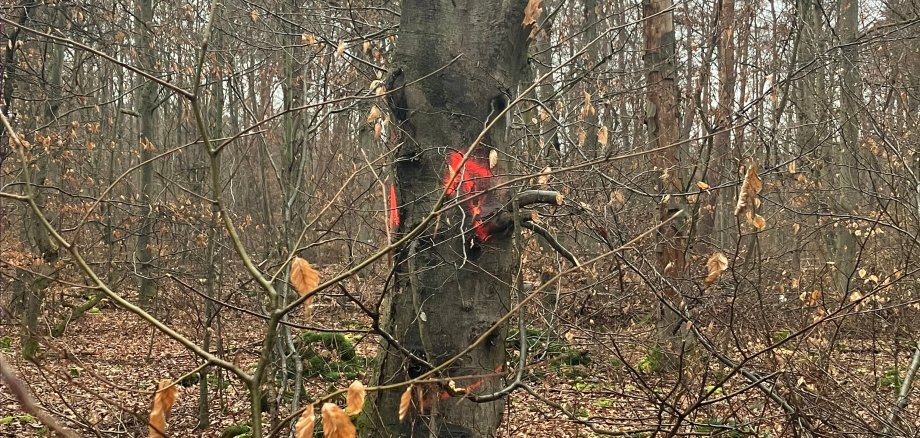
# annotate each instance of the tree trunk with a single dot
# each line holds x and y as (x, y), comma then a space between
(663, 124)
(453, 281)
(146, 109)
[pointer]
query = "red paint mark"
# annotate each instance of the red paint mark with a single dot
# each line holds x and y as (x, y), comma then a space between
(394, 208)
(472, 178)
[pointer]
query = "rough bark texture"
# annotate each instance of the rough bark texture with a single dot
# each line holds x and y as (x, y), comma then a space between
(662, 122)
(453, 282)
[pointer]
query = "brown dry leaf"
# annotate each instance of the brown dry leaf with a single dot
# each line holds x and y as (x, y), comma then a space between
(582, 136)
(354, 401)
(335, 423)
(162, 403)
(374, 114)
(254, 15)
(340, 49)
(545, 176)
(749, 190)
(702, 185)
(404, 401)
(588, 107)
(305, 279)
(716, 264)
(493, 158)
(759, 222)
(304, 426)
(378, 130)
(308, 39)
(531, 13)
(602, 135)
(796, 228)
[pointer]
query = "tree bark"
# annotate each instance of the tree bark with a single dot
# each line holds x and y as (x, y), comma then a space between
(663, 125)
(453, 281)
(146, 109)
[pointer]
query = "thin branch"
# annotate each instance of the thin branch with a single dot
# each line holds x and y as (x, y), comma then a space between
(21, 392)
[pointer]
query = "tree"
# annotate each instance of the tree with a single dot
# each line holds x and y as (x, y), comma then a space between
(662, 122)
(454, 280)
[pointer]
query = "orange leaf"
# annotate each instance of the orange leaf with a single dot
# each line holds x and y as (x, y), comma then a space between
(354, 401)
(404, 402)
(305, 279)
(749, 190)
(162, 403)
(304, 427)
(336, 424)
(531, 13)
(716, 264)
(602, 135)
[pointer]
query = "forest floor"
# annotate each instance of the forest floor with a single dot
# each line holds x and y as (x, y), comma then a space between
(99, 377)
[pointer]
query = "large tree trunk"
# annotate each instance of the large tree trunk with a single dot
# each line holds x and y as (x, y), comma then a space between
(453, 282)
(663, 124)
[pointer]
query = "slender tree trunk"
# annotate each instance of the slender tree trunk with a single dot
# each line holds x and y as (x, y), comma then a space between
(663, 124)
(38, 236)
(453, 281)
(146, 109)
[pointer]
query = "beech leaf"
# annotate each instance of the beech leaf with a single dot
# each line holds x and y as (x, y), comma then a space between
(162, 403)
(602, 135)
(404, 401)
(354, 401)
(749, 190)
(531, 13)
(304, 426)
(335, 423)
(716, 264)
(305, 279)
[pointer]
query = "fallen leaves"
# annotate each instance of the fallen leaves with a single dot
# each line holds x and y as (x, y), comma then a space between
(305, 279)
(162, 403)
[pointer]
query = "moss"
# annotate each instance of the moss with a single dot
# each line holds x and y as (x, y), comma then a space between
(241, 430)
(315, 348)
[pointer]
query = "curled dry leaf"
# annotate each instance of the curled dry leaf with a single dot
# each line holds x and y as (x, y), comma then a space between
(162, 403)
(404, 401)
(702, 185)
(335, 423)
(602, 135)
(374, 114)
(304, 426)
(493, 158)
(531, 13)
(354, 401)
(716, 264)
(749, 190)
(759, 222)
(305, 279)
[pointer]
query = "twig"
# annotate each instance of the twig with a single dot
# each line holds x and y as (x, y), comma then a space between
(904, 391)
(21, 392)
(546, 234)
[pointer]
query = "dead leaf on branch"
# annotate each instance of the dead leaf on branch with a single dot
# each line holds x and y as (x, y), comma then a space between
(162, 403)
(305, 279)
(404, 401)
(750, 188)
(747, 198)
(602, 135)
(304, 426)
(373, 115)
(354, 401)
(531, 13)
(335, 423)
(716, 264)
